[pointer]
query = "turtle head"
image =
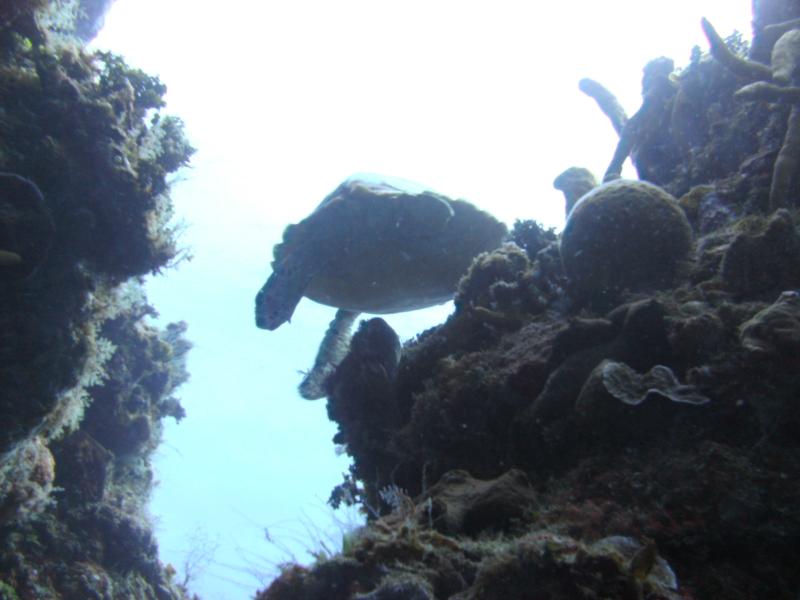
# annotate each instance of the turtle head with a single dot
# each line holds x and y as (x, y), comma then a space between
(276, 301)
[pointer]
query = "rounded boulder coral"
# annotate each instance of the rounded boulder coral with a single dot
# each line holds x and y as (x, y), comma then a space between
(624, 235)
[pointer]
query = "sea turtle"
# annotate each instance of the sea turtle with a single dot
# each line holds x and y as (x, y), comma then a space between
(376, 245)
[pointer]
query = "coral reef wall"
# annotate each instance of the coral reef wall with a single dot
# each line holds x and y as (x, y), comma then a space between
(570, 435)
(85, 383)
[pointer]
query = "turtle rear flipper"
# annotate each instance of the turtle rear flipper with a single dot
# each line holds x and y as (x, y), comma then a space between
(331, 351)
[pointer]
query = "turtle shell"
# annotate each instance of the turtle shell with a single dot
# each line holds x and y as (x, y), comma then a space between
(379, 248)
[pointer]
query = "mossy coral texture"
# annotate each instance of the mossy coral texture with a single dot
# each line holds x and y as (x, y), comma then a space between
(85, 153)
(625, 234)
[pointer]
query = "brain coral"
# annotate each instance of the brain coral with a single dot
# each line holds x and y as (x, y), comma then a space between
(624, 234)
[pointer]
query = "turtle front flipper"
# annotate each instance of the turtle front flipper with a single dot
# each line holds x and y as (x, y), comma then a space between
(331, 351)
(276, 301)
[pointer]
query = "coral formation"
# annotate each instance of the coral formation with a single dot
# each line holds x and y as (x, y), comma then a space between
(94, 537)
(624, 234)
(617, 421)
(783, 71)
(618, 405)
(401, 556)
(78, 128)
(84, 209)
(764, 258)
(607, 102)
(631, 388)
(575, 182)
(636, 134)
(776, 329)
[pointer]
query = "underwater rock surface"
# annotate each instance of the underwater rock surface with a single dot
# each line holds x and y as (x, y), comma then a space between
(555, 440)
(85, 382)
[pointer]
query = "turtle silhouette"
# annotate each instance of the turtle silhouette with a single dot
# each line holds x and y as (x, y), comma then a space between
(375, 245)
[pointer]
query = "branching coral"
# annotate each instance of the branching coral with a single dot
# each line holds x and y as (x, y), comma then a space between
(776, 83)
(575, 182)
(657, 93)
(607, 102)
(747, 69)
